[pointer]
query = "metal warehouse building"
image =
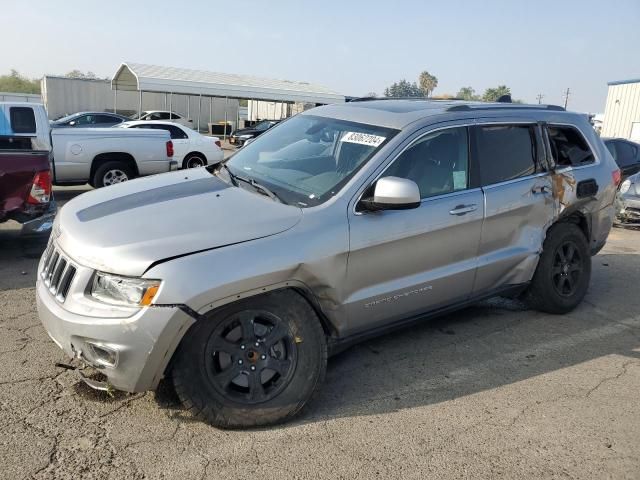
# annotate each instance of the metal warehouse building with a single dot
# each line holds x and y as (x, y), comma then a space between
(205, 97)
(622, 111)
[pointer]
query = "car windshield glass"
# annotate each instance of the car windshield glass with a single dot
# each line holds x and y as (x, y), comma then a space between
(135, 116)
(262, 125)
(66, 119)
(307, 159)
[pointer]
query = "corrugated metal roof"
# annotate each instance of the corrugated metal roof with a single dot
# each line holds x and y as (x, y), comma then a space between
(623, 82)
(154, 78)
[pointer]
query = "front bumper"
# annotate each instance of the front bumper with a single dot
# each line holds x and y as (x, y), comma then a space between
(142, 344)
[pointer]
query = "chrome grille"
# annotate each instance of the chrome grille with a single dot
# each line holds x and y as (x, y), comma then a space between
(57, 272)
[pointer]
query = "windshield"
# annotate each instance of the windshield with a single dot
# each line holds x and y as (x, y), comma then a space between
(262, 125)
(307, 159)
(66, 119)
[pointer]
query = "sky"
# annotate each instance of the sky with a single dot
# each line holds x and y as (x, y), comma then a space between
(353, 47)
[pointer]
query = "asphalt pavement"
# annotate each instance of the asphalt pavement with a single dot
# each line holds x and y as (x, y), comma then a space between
(494, 391)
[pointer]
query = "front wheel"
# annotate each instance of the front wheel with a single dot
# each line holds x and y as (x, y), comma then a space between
(257, 362)
(562, 277)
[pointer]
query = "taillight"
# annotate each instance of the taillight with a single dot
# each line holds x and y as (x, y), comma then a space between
(218, 143)
(41, 189)
(617, 176)
(169, 148)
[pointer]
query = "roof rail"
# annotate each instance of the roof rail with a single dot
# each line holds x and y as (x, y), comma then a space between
(424, 99)
(503, 106)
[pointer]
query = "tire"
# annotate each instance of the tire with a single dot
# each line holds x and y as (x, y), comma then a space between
(110, 173)
(561, 279)
(223, 378)
(194, 160)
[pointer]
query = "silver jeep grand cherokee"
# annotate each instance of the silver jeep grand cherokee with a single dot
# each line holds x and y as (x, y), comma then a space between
(237, 280)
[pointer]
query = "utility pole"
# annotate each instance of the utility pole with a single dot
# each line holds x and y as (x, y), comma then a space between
(540, 97)
(566, 97)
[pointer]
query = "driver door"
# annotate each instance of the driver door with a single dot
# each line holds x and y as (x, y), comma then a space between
(406, 262)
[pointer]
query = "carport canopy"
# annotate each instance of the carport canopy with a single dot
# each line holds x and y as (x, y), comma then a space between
(152, 78)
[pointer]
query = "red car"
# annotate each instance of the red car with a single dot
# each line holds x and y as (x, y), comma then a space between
(25, 178)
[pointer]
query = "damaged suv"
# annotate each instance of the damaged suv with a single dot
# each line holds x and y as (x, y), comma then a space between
(237, 280)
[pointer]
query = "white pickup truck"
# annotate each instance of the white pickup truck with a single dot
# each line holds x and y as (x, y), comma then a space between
(102, 156)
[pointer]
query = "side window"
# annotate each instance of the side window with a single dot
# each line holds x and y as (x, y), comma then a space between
(85, 120)
(23, 120)
(505, 152)
(626, 154)
(438, 162)
(568, 146)
(107, 119)
(177, 132)
(162, 116)
(154, 116)
(174, 116)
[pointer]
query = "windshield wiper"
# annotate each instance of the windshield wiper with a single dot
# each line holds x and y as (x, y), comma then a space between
(257, 186)
(232, 176)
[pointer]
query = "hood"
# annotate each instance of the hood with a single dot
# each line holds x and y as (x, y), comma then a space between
(125, 228)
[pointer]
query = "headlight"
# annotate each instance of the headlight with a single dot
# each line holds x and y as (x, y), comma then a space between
(245, 137)
(128, 291)
(626, 185)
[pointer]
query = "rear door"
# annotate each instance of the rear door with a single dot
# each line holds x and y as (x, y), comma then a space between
(518, 202)
(406, 262)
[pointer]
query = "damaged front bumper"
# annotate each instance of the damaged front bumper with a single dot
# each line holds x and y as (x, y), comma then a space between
(132, 353)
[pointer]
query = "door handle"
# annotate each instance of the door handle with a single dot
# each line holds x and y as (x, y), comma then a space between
(463, 209)
(540, 189)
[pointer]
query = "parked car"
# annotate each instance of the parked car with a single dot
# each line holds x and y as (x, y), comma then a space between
(237, 280)
(163, 115)
(626, 154)
(628, 201)
(25, 179)
(100, 156)
(89, 119)
(239, 137)
(190, 148)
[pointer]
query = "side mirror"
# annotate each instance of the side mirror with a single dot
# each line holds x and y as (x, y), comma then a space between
(393, 193)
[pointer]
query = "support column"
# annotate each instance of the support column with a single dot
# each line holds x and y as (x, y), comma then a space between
(115, 101)
(226, 105)
(199, 110)
(140, 104)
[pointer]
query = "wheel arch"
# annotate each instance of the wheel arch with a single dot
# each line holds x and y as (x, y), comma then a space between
(294, 286)
(103, 158)
(193, 153)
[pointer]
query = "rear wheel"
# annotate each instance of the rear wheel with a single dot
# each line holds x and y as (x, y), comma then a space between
(257, 362)
(194, 160)
(110, 173)
(562, 277)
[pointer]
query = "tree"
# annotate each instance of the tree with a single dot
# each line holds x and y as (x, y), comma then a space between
(16, 83)
(428, 83)
(493, 94)
(78, 74)
(467, 93)
(403, 88)
(371, 95)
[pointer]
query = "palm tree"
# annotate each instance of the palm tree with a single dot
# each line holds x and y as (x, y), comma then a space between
(428, 83)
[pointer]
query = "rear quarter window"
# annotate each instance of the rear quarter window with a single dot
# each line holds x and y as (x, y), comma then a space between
(23, 120)
(568, 146)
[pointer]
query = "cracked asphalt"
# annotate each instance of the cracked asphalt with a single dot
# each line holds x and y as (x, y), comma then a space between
(492, 391)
